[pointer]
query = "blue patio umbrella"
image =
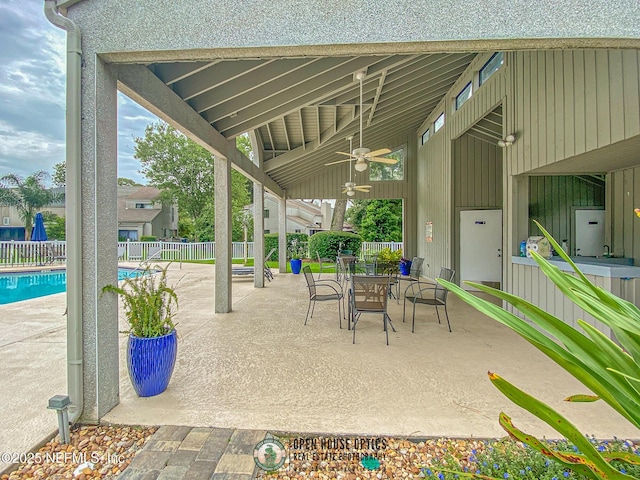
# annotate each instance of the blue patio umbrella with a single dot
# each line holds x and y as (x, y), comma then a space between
(38, 233)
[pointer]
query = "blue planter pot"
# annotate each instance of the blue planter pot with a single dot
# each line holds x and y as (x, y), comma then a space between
(405, 267)
(296, 265)
(150, 362)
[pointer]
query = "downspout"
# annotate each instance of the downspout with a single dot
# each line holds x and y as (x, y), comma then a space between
(73, 211)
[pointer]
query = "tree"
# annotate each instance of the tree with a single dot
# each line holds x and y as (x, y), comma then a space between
(59, 177)
(356, 213)
(337, 222)
(183, 170)
(26, 195)
(55, 226)
(382, 221)
(127, 182)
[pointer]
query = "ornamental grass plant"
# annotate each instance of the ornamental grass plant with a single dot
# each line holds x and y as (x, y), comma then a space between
(149, 302)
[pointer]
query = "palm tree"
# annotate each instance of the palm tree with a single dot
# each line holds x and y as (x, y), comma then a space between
(26, 195)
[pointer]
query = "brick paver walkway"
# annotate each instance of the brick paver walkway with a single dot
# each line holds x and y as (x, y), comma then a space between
(175, 453)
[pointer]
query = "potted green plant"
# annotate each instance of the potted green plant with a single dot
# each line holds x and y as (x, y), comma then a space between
(150, 305)
(296, 251)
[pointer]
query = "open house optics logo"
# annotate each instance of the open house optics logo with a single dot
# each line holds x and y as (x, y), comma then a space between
(305, 454)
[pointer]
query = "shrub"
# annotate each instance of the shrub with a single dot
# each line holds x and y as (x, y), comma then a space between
(328, 244)
(148, 238)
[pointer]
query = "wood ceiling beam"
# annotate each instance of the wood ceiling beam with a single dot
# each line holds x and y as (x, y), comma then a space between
(142, 86)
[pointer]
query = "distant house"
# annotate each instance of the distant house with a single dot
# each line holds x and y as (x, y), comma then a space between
(142, 214)
(303, 216)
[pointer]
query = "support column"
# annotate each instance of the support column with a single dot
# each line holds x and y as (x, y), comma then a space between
(98, 202)
(223, 229)
(258, 235)
(282, 234)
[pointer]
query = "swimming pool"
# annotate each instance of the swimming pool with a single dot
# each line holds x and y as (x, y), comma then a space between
(15, 287)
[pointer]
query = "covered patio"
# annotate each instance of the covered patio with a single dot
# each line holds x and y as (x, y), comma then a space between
(259, 367)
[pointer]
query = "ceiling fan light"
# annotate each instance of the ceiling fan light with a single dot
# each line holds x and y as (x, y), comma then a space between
(351, 193)
(360, 166)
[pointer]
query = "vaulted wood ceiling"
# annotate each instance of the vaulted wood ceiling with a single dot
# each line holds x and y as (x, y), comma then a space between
(303, 108)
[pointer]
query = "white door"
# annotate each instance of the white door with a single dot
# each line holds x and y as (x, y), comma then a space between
(480, 246)
(589, 239)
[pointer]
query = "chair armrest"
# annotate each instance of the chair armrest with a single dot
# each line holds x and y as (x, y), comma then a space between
(337, 290)
(419, 293)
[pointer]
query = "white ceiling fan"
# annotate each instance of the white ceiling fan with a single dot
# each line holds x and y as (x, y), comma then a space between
(350, 187)
(363, 155)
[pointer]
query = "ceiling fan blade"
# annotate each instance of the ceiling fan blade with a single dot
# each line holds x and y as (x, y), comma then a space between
(348, 154)
(382, 151)
(390, 161)
(338, 161)
(364, 190)
(345, 190)
(363, 186)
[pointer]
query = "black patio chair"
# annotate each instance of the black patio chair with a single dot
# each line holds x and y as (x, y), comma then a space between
(325, 265)
(268, 274)
(434, 295)
(332, 287)
(414, 275)
(369, 294)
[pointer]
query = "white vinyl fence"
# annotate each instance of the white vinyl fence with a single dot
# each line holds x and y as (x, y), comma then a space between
(16, 253)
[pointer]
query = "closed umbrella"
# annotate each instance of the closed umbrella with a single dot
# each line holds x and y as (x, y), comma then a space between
(38, 233)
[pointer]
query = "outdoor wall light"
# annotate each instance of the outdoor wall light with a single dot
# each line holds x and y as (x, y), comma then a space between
(508, 141)
(360, 166)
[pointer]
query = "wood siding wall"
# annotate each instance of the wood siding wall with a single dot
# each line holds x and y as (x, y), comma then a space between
(477, 178)
(531, 284)
(623, 195)
(570, 102)
(551, 199)
(437, 183)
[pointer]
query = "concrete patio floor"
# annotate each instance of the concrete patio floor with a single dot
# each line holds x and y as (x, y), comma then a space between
(259, 367)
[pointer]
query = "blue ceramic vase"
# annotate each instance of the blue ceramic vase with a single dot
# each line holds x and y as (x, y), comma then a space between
(296, 265)
(150, 362)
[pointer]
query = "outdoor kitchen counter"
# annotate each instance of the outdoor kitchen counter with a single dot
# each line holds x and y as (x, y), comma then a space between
(588, 266)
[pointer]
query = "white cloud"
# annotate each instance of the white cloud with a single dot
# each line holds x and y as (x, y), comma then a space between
(33, 95)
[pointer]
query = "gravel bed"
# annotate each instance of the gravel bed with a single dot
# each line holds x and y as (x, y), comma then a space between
(94, 452)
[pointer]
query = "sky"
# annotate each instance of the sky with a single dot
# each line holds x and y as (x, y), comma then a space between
(33, 96)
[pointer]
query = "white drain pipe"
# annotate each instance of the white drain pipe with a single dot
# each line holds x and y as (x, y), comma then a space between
(73, 211)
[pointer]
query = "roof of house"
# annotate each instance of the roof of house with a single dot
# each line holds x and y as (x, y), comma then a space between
(144, 193)
(136, 215)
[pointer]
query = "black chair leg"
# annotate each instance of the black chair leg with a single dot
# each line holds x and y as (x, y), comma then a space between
(390, 323)
(413, 321)
(447, 315)
(438, 313)
(307, 317)
(386, 329)
(404, 307)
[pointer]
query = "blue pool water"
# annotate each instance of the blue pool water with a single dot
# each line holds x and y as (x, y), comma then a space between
(15, 287)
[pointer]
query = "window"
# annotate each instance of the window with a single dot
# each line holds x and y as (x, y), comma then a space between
(384, 171)
(144, 205)
(125, 235)
(425, 136)
(464, 95)
(266, 213)
(439, 123)
(494, 63)
(267, 231)
(298, 230)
